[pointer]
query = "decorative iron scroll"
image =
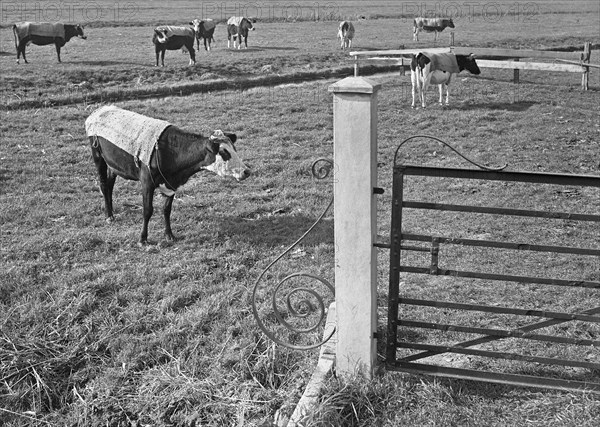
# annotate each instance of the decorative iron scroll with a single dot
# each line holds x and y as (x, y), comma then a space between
(451, 148)
(303, 304)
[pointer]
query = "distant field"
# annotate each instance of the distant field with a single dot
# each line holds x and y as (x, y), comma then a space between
(97, 331)
(119, 55)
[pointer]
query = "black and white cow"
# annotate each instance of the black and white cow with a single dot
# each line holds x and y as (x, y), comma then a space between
(44, 33)
(430, 25)
(168, 37)
(437, 69)
(177, 155)
(238, 27)
(346, 34)
(204, 29)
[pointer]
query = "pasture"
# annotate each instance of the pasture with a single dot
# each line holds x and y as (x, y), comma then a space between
(97, 331)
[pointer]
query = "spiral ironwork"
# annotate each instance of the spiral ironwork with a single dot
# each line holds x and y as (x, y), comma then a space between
(302, 303)
(451, 148)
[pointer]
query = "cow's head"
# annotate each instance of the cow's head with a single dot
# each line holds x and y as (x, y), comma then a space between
(450, 23)
(198, 26)
(227, 161)
(161, 35)
(467, 62)
(79, 31)
(247, 23)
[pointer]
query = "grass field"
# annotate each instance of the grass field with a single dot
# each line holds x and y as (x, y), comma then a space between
(97, 331)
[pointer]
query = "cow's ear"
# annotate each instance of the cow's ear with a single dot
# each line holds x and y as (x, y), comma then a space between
(231, 136)
(191, 23)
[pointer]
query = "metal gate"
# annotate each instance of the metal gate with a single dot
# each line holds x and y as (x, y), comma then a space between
(557, 347)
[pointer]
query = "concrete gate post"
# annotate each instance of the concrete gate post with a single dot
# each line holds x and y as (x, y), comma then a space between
(355, 223)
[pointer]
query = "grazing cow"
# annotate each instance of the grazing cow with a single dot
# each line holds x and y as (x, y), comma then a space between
(167, 37)
(238, 26)
(204, 30)
(437, 69)
(346, 34)
(157, 154)
(430, 25)
(44, 33)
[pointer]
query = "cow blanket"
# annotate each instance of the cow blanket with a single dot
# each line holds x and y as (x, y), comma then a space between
(235, 20)
(209, 24)
(42, 29)
(171, 31)
(132, 132)
(443, 62)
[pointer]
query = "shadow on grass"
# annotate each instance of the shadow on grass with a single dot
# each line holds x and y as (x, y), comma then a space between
(276, 230)
(106, 63)
(505, 106)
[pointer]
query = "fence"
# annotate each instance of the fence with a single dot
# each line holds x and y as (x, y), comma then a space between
(503, 335)
(572, 62)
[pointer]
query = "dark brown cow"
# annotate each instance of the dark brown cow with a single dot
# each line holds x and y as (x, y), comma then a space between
(173, 38)
(165, 158)
(44, 33)
(238, 27)
(204, 29)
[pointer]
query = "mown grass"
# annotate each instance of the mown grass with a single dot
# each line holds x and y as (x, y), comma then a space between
(97, 331)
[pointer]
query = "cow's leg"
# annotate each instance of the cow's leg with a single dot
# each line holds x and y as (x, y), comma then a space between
(167, 213)
(57, 51)
(447, 93)
(162, 57)
(147, 196)
(107, 182)
(22, 49)
(441, 88)
(192, 54)
(415, 87)
(422, 91)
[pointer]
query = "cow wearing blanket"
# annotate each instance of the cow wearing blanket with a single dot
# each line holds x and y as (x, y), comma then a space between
(44, 33)
(438, 69)
(167, 37)
(157, 154)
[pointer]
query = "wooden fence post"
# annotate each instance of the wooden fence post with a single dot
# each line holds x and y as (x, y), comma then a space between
(516, 73)
(585, 57)
(355, 223)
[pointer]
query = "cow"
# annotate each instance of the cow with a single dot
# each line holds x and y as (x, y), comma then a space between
(238, 26)
(438, 69)
(346, 34)
(158, 155)
(430, 25)
(204, 29)
(44, 33)
(168, 37)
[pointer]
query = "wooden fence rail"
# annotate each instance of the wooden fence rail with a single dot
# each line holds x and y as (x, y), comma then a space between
(572, 62)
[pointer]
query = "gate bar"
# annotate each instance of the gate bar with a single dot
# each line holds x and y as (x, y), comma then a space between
(498, 355)
(499, 378)
(500, 310)
(532, 177)
(500, 211)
